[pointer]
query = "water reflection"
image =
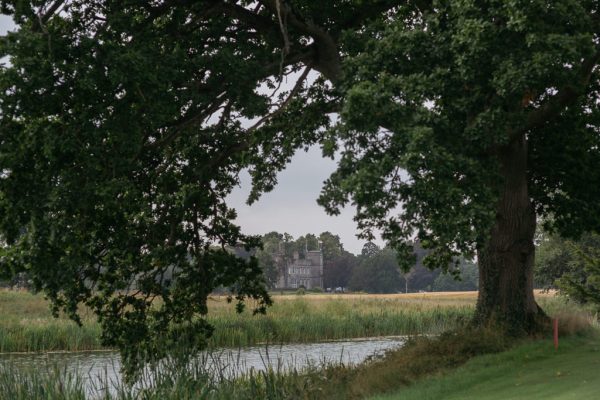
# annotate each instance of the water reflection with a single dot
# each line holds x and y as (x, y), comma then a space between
(97, 368)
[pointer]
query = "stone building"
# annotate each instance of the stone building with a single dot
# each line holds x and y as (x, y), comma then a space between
(304, 270)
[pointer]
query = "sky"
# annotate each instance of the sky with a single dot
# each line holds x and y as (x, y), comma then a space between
(291, 207)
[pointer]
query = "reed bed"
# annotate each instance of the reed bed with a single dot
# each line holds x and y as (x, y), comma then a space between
(169, 382)
(313, 318)
(27, 326)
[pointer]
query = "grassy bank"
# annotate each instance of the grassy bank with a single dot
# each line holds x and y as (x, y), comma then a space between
(532, 371)
(26, 324)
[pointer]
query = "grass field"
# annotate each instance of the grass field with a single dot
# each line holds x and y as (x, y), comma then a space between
(533, 371)
(26, 323)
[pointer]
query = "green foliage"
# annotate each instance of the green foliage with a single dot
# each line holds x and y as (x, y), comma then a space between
(271, 245)
(108, 185)
(369, 249)
(48, 383)
(553, 259)
(581, 282)
(338, 270)
(465, 278)
(436, 95)
(377, 273)
(332, 246)
(570, 266)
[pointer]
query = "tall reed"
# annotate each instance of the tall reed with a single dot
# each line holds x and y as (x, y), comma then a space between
(26, 324)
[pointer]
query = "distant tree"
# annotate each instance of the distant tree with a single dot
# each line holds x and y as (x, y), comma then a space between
(416, 275)
(278, 250)
(378, 273)
(557, 256)
(370, 249)
(269, 267)
(337, 262)
(338, 270)
(331, 245)
(420, 278)
(465, 277)
(307, 242)
(407, 276)
(554, 258)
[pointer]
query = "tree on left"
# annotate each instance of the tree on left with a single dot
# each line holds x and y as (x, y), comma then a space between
(123, 127)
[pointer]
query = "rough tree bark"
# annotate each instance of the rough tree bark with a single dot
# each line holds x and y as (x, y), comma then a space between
(506, 260)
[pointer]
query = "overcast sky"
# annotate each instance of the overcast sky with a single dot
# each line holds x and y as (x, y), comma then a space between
(291, 207)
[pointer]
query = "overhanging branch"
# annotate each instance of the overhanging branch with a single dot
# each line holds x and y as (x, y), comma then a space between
(565, 97)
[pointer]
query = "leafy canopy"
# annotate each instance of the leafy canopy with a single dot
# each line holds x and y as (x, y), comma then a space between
(125, 124)
(432, 97)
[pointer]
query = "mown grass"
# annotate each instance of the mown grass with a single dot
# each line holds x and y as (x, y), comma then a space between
(533, 371)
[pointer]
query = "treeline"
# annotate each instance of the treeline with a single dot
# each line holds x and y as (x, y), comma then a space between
(375, 270)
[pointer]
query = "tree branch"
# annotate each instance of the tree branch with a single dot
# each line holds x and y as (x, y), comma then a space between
(245, 143)
(190, 119)
(566, 96)
(51, 10)
(283, 105)
(327, 58)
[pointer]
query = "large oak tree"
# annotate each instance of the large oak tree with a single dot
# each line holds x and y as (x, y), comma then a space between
(125, 124)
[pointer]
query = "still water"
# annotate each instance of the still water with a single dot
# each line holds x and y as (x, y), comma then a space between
(103, 366)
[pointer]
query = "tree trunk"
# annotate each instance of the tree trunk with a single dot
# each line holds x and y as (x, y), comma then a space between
(506, 260)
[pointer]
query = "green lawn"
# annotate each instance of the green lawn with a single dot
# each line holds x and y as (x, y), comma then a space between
(531, 371)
